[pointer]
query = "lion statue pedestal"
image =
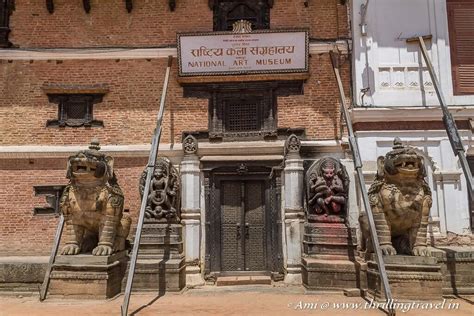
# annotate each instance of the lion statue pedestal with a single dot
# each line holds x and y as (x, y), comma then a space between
(88, 276)
(400, 199)
(328, 261)
(93, 260)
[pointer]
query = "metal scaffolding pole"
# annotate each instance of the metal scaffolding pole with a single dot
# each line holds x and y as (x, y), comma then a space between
(150, 169)
(448, 120)
(52, 258)
(360, 176)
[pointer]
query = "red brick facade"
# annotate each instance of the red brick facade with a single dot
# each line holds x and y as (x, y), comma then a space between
(151, 23)
(129, 108)
(22, 233)
(134, 87)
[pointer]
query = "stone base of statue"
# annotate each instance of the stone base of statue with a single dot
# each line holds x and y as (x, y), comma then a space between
(88, 276)
(457, 266)
(161, 263)
(410, 278)
(329, 261)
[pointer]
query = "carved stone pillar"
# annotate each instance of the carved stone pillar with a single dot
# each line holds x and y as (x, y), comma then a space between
(191, 211)
(294, 214)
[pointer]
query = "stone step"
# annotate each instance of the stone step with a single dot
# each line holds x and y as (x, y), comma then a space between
(328, 239)
(244, 280)
(328, 249)
(19, 288)
(327, 229)
(151, 240)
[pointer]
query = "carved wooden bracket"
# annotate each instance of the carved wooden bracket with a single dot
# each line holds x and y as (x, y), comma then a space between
(10, 6)
(50, 6)
(172, 4)
(306, 2)
(129, 5)
(212, 3)
(87, 5)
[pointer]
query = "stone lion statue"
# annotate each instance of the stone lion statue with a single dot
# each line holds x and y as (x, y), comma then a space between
(400, 199)
(92, 205)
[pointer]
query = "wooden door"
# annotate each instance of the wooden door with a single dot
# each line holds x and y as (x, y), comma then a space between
(243, 226)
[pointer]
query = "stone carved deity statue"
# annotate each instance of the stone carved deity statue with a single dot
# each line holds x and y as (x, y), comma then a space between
(327, 188)
(163, 200)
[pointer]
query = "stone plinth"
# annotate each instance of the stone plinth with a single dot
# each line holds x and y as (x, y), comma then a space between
(329, 240)
(410, 278)
(88, 276)
(457, 266)
(329, 262)
(22, 274)
(161, 262)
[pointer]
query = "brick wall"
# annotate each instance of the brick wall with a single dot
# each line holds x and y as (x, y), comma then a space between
(128, 112)
(151, 23)
(325, 19)
(21, 233)
(108, 24)
(318, 110)
(129, 108)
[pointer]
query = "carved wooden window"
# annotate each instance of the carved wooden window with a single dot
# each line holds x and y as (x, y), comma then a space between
(461, 39)
(243, 109)
(75, 110)
(52, 194)
(242, 114)
(6, 8)
(227, 12)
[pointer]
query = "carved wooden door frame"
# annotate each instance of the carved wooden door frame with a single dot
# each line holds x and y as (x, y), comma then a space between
(236, 171)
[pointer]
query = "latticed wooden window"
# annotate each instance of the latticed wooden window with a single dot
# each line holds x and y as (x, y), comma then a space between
(6, 7)
(227, 12)
(76, 113)
(243, 116)
(461, 40)
(75, 110)
(243, 109)
(248, 113)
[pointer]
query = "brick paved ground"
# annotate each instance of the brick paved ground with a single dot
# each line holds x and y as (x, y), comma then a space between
(255, 300)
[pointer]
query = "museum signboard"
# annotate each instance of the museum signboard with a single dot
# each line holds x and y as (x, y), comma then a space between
(227, 53)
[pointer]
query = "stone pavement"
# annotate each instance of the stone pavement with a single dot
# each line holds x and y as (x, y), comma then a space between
(235, 300)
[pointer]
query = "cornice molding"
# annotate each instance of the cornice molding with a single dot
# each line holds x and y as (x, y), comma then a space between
(392, 114)
(228, 149)
(128, 53)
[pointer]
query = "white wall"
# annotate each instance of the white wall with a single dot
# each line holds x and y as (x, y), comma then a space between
(393, 69)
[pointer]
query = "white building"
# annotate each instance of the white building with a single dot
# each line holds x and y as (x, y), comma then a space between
(393, 94)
